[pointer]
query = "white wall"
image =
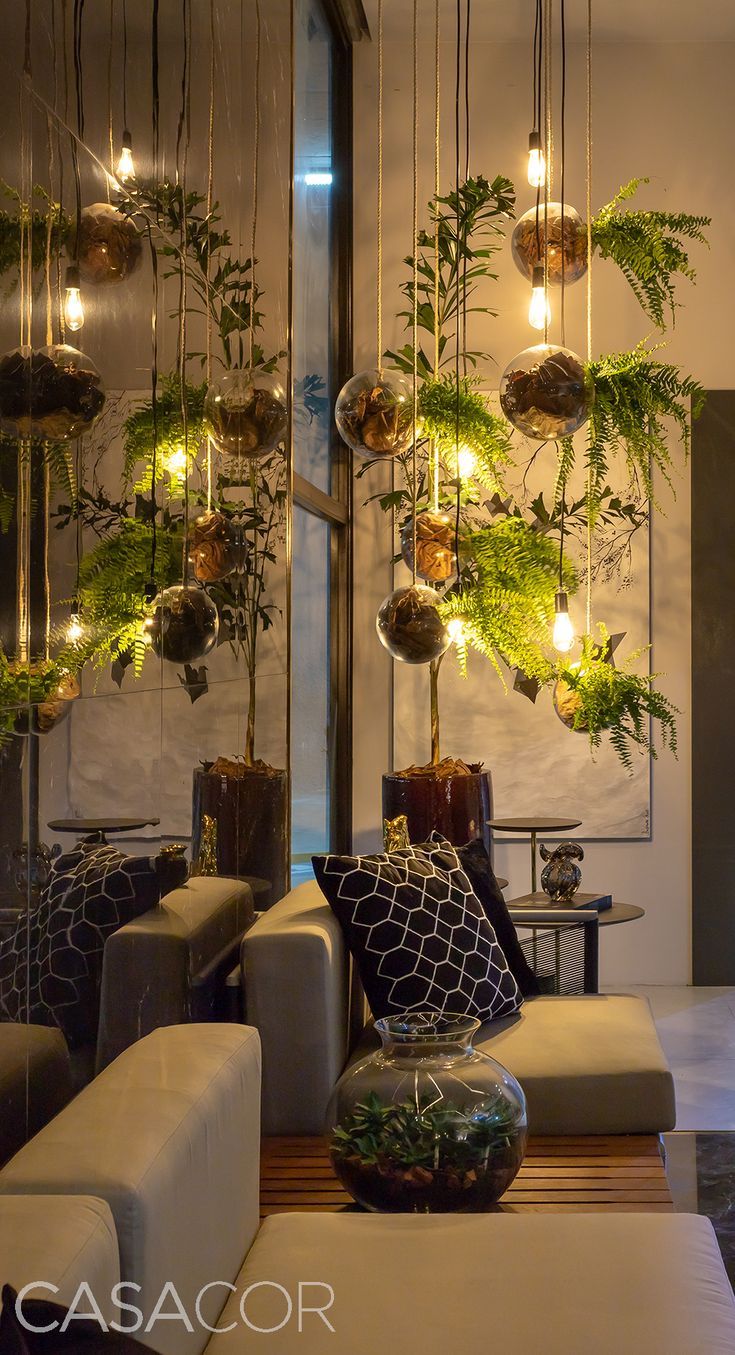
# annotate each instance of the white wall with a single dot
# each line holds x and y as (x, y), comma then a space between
(664, 110)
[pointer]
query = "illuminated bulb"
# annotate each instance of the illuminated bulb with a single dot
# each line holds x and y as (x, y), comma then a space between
(536, 162)
(176, 462)
(539, 310)
(466, 462)
(456, 630)
(75, 629)
(563, 635)
(125, 166)
(73, 308)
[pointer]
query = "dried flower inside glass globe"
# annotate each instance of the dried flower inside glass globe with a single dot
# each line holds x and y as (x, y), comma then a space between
(528, 244)
(410, 627)
(53, 393)
(246, 414)
(435, 557)
(109, 246)
(183, 624)
(41, 716)
(567, 704)
(545, 392)
(374, 414)
(214, 547)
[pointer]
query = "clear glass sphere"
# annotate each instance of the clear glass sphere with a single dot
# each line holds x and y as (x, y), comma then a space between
(528, 245)
(214, 547)
(374, 413)
(246, 413)
(183, 624)
(567, 704)
(545, 392)
(427, 1123)
(410, 627)
(109, 246)
(53, 393)
(435, 557)
(42, 715)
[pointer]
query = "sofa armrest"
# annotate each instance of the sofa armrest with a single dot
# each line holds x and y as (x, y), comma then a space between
(159, 969)
(296, 978)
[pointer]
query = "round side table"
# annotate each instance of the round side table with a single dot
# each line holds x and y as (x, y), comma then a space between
(534, 826)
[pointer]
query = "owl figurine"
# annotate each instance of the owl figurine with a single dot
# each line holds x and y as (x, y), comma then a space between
(561, 878)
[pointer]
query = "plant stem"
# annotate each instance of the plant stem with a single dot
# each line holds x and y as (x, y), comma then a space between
(434, 667)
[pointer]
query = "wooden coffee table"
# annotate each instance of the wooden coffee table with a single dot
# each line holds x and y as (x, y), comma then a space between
(619, 1174)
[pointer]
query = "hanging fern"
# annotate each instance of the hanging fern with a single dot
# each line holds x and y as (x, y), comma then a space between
(600, 698)
(507, 602)
(635, 396)
(468, 422)
(138, 428)
(649, 248)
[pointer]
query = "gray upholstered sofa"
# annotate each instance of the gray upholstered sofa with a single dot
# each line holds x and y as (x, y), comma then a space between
(156, 1163)
(588, 1064)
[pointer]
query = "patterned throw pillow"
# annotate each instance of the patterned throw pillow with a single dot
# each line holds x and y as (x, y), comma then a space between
(51, 964)
(419, 937)
(475, 862)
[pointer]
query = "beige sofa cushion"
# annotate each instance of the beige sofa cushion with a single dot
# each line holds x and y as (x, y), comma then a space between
(62, 1240)
(584, 1284)
(169, 1135)
(35, 1081)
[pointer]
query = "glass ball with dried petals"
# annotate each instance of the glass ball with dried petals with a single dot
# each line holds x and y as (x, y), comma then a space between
(246, 413)
(374, 414)
(214, 547)
(109, 247)
(531, 240)
(410, 627)
(435, 557)
(545, 392)
(183, 624)
(567, 705)
(54, 393)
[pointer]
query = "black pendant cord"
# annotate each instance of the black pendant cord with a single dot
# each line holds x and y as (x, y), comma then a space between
(78, 140)
(154, 305)
(181, 165)
(457, 92)
(561, 539)
(539, 52)
(468, 16)
(563, 147)
(125, 63)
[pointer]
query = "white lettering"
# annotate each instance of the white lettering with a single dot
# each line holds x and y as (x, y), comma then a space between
(315, 1284)
(116, 1297)
(24, 1292)
(198, 1306)
(181, 1315)
(95, 1314)
(266, 1284)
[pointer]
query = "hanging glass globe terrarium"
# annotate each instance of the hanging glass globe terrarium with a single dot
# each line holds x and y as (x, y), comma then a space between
(435, 557)
(545, 392)
(109, 248)
(246, 413)
(531, 242)
(54, 393)
(410, 627)
(374, 414)
(214, 547)
(183, 623)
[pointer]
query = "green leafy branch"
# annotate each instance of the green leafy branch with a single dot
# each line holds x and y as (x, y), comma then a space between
(458, 416)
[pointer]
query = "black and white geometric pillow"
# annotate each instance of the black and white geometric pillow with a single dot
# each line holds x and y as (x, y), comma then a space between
(51, 964)
(419, 937)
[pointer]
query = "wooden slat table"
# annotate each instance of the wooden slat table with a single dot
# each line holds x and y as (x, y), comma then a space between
(559, 1176)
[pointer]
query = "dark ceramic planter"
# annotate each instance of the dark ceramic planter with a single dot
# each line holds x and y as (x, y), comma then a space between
(251, 813)
(457, 806)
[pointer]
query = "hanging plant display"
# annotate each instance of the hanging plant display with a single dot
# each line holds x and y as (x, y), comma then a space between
(214, 547)
(374, 414)
(435, 557)
(53, 393)
(108, 247)
(410, 627)
(183, 625)
(561, 240)
(246, 413)
(545, 392)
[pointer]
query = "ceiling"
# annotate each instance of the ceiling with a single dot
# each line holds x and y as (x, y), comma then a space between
(612, 20)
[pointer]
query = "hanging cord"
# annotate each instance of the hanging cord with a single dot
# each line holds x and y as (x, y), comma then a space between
(548, 182)
(210, 187)
(562, 4)
(379, 260)
(537, 85)
(589, 288)
(457, 91)
(110, 135)
(561, 539)
(155, 100)
(437, 160)
(76, 141)
(50, 218)
(181, 167)
(256, 159)
(415, 266)
(125, 63)
(468, 16)
(23, 515)
(65, 66)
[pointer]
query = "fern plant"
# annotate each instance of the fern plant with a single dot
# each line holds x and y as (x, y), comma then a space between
(650, 248)
(635, 396)
(599, 698)
(455, 416)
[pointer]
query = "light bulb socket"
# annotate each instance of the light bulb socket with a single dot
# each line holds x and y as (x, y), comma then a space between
(150, 592)
(74, 609)
(71, 277)
(127, 140)
(537, 279)
(534, 140)
(561, 602)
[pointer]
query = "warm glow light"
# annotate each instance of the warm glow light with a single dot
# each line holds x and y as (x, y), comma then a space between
(75, 629)
(456, 630)
(125, 166)
(563, 634)
(536, 161)
(176, 462)
(539, 310)
(73, 308)
(466, 462)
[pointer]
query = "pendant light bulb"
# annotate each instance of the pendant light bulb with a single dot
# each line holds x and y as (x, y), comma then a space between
(563, 634)
(536, 161)
(456, 631)
(75, 629)
(539, 310)
(73, 308)
(125, 166)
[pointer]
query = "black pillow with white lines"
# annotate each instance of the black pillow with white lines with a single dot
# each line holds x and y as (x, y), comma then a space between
(419, 937)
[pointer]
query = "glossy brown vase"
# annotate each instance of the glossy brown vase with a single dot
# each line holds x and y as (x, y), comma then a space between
(457, 806)
(251, 813)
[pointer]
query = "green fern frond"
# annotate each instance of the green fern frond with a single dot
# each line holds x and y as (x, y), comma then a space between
(459, 416)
